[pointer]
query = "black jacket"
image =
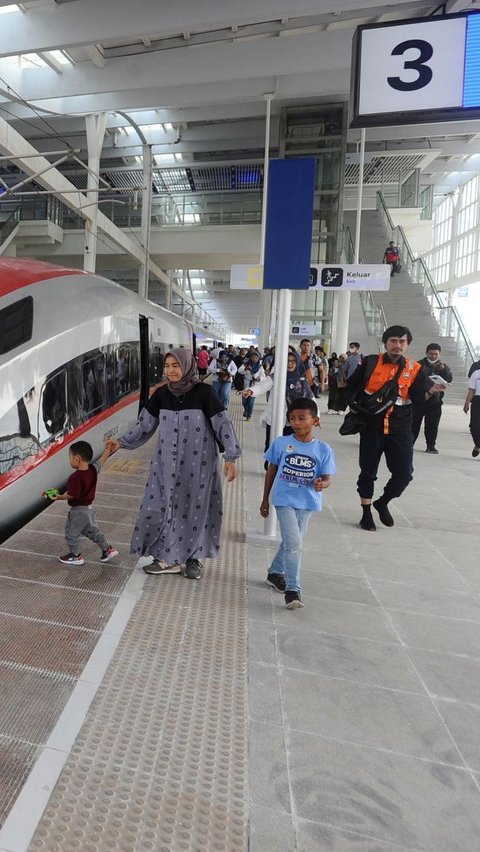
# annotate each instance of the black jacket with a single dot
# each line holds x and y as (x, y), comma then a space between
(436, 369)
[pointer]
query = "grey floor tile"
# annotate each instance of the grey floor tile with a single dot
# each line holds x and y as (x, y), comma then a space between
(268, 767)
(261, 642)
(338, 617)
(467, 567)
(438, 634)
(366, 715)
(463, 722)
(264, 694)
(449, 675)
(330, 586)
(270, 831)
(434, 575)
(432, 601)
(260, 604)
(334, 562)
(374, 663)
(413, 803)
(314, 837)
(374, 547)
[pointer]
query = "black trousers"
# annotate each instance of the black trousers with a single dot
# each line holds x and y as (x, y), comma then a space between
(432, 412)
(398, 450)
(475, 420)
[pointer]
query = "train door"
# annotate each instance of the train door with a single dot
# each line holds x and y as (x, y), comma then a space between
(144, 361)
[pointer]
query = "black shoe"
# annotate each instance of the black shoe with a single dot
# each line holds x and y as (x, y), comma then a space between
(383, 513)
(293, 600)
(193, 569)
(156, 567)
(475, 452)
(432, 450)
(366, 522)
(277, 581)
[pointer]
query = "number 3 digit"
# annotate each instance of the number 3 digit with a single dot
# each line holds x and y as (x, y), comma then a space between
(425, 73)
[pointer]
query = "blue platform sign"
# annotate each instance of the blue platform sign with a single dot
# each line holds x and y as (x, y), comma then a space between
(288, 239)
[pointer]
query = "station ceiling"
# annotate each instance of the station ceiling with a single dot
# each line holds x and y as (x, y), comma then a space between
(194, 75)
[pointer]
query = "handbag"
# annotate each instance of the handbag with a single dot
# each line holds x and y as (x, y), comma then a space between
(378, 402)
(239, 381)
(352, 424)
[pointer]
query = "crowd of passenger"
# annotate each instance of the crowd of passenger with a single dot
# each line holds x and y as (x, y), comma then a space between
(389, 397)
(244, 367)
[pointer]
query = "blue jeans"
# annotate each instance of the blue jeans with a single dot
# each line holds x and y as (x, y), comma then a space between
(248, 404)
(287, 560)
(223, 391)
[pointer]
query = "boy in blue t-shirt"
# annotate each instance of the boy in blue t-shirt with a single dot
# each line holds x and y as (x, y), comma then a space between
(299, 470)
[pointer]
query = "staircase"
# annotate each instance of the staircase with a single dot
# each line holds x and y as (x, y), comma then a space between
(406, 304)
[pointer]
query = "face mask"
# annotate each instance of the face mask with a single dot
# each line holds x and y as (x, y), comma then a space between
(432, 360)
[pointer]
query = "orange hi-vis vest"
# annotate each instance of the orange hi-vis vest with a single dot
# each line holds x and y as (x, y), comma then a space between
(383, 373)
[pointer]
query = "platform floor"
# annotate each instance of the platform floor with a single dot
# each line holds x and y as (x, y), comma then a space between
(127, 720)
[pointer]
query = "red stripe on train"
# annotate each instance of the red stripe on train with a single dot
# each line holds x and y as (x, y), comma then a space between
(15, 273)
(33, 461)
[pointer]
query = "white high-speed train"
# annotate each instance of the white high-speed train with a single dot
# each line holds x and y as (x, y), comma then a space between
(78, 357)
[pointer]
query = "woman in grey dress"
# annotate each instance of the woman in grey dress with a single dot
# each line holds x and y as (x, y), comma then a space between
(180, 515)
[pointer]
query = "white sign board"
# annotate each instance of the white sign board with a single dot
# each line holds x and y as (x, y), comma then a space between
(396, 62)
(245, 276)
(350, 276)
(299, 329)
(419, 70)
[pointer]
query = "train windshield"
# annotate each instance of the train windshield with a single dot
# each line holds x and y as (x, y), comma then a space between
(16, 324)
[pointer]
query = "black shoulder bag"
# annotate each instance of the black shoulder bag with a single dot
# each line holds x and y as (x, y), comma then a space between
(367, 405)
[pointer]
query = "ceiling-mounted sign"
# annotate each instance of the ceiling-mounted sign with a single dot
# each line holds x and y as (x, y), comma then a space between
(350, 276)
(297, 329)
(417, 71)
(245, 276)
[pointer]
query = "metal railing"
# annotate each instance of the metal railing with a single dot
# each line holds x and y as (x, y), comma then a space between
(447, 316)
(374, 314)
(179, 210)
(8, 226)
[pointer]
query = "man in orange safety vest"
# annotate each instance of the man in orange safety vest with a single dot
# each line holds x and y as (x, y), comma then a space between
(382, 389)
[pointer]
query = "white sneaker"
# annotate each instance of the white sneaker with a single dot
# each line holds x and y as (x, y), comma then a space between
(156, 567)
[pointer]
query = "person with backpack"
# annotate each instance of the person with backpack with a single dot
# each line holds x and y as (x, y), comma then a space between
(382, 390)
(392, 257)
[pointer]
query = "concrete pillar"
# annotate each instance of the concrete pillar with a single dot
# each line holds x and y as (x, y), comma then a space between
(146, 225)
(95, 125)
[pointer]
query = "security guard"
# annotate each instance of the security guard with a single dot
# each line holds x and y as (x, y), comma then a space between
(388, 432)
(431, 409)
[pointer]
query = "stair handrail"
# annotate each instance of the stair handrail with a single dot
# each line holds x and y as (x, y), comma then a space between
(448, 317)
(374, 314)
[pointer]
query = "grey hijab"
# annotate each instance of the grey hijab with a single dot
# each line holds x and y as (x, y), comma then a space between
(189, 371)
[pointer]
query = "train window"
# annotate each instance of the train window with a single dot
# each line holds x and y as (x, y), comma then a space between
(126, 369)
(94, 383)
(16, 441)
(52, 412)
(16, 324)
